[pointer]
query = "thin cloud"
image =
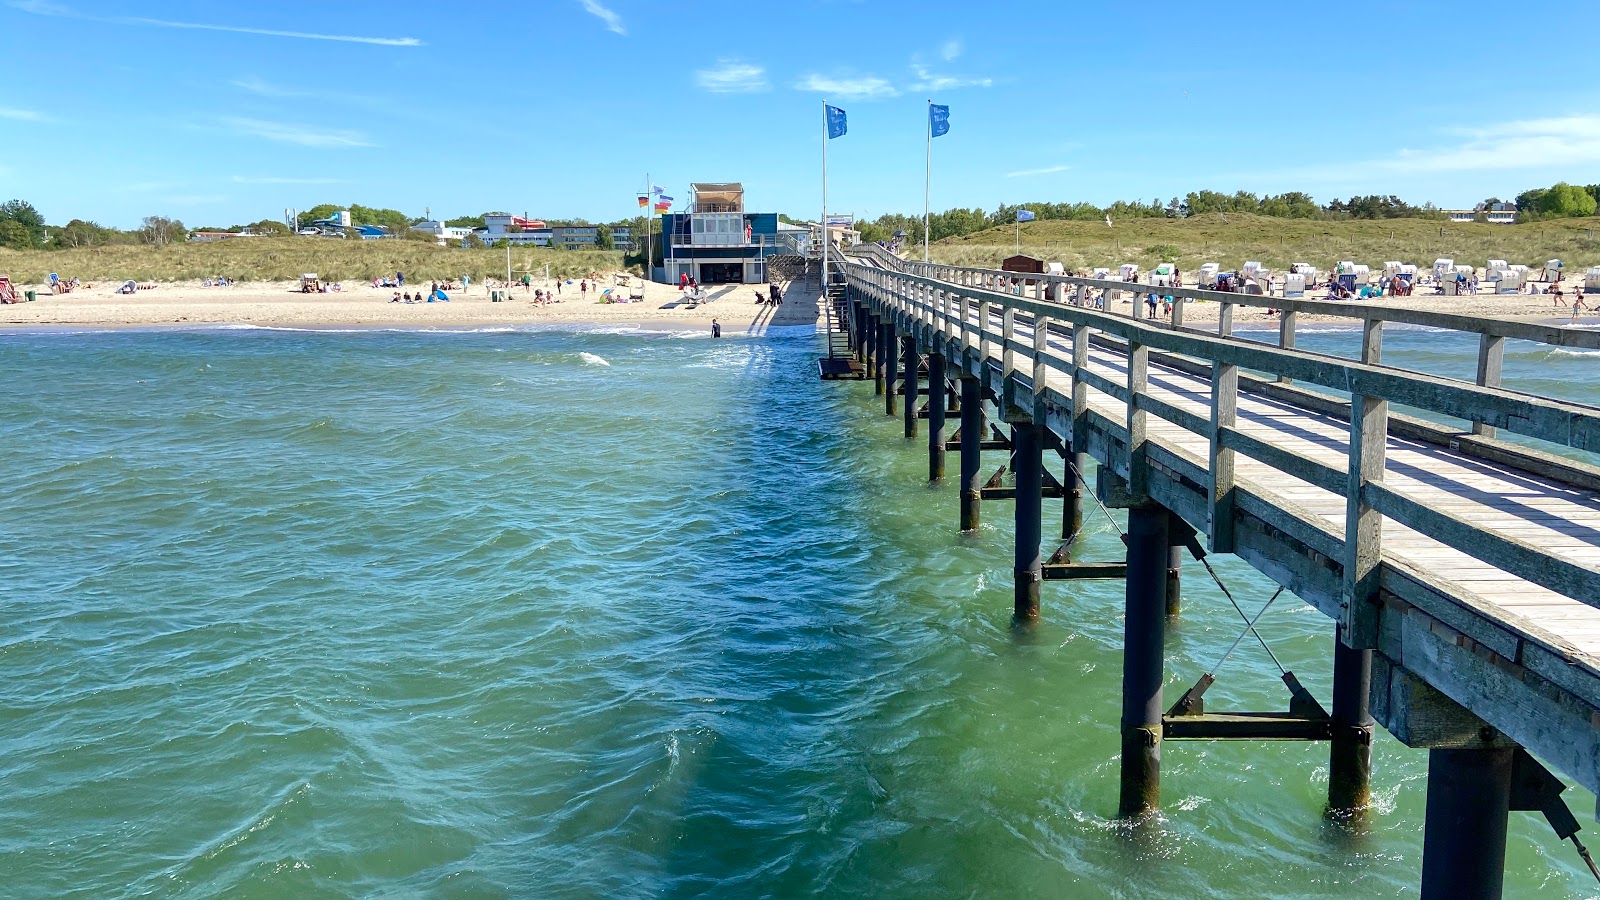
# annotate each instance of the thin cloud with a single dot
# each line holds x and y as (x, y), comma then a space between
(732, 77)
(867, 87)
(612, 20)
(1047, 170)
(42, 8)
(23, 115)
(294, 133)
(928, 80)
(270, 179)
(1526, 144)
(950, 50)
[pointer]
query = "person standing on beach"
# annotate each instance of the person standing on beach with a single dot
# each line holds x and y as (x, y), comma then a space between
(583, 288)
(399, 279)
(716, 328)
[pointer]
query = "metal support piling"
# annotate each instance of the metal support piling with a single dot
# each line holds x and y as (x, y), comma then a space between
(891, 358)
(1350, 750)
(936, 410)
(1143, 643)
(971, 452)
(1072, 508)
(908, 376)
(875, 355)
(1174, 580)
(1027, 442)
(1464, 836)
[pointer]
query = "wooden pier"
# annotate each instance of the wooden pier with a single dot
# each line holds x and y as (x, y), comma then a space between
(1461, 570)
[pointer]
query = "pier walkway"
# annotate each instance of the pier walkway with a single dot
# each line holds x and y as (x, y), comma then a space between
(1461, 569)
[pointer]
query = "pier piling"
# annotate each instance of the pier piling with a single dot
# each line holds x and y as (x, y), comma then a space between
(972, 426)
(1174, 580)
(891, 359)
(875, 354)
(1464, 837)
(936, 411)
(1144, 637)
(1027, 442)
(1350, 749)
(909, 362)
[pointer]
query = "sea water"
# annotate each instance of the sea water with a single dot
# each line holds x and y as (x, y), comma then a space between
(568, 613)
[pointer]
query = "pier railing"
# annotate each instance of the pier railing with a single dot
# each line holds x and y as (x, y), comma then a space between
(986, 322)
(1464, 576)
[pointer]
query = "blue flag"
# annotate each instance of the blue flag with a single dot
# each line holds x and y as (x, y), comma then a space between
(938, 119)
(1025, 216)
(836, 121)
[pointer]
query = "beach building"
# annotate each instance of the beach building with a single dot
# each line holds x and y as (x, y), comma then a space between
(717, 241)
(441, 232)
(535, 232)
(1494, 214)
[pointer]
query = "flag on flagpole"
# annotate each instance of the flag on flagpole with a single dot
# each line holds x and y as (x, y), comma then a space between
(837, 125)
(643, 202)
(938, 119)
(663, 206)
(1025, 216)
(655, 190)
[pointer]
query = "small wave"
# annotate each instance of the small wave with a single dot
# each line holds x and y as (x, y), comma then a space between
(590, 359)
(1563, 351)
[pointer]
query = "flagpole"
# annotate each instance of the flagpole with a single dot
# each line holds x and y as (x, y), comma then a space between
(649, 232)
(824, 198)
(927, 183)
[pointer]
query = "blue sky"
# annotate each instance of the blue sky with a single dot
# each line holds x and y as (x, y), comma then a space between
(222, 113)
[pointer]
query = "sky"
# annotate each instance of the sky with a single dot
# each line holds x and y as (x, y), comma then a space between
(227, 113)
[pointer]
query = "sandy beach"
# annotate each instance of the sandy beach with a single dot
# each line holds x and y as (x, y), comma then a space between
(281, 304)
(734, 306)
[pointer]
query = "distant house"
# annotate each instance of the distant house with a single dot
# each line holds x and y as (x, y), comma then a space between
(1494, 214)
(442, 232)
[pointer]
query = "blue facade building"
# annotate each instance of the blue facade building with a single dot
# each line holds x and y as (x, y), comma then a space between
(716, 241)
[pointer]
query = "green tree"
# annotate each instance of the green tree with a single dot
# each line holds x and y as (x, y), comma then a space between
(603, 239)
(160, 231)
(268, 227)
(471, 241)
(22, 213)
(79, 233)
(1566, 201)
(466, 221)
(13, 235)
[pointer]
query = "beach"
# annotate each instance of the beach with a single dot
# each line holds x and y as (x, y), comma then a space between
(280, 303)
(358, 304)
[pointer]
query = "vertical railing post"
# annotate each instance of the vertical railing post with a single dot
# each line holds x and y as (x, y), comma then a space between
(1008, 355)
(1138, 383)
(1286, 326)
(969, 340)
(1491, 357)
(985, 310)
(1224, 412)
(1363, 526)
(1225, 320)
(1372, 341)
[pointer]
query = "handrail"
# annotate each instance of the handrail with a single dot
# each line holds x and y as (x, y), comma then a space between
(1554, 336)
(1575, 425)
(878, 254)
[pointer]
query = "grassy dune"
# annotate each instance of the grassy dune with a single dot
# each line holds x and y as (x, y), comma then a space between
(284, 259)
(1232, 239)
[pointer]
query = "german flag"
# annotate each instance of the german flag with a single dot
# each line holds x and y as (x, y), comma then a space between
(643, 202)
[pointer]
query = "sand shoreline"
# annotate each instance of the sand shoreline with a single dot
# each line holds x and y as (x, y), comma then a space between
(280, 304)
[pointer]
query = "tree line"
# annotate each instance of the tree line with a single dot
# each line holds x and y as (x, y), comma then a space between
(1559, 201)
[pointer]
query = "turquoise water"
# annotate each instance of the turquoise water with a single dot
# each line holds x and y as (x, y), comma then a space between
(543, 613)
